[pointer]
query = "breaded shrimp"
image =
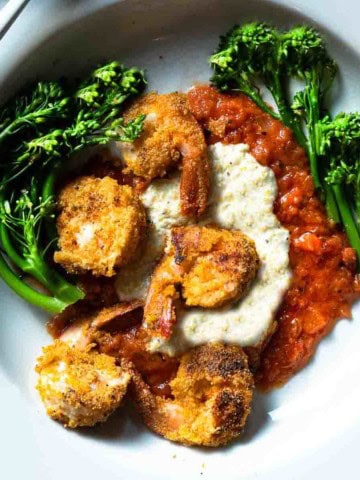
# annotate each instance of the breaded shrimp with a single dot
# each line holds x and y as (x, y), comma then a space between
(210, 267)
(211, 398)
(117, 331)
(171, 135)
(100, 225)
(80, 388)
(85, 330)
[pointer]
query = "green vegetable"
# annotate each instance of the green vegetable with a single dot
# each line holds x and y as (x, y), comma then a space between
(38, 131)
(45, 103)
(251, 54)
(339, 145)
(254, 54)
(21, 219)
(246, 53)
(90, 116)
(303, 54)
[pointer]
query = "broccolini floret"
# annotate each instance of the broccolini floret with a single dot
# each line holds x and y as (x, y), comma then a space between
(304, 56)
(245, 53)
(339, 149)
(47, 102)
(251, 53)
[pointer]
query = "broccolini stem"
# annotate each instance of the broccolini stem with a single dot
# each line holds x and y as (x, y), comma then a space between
(277, 89)
(48, 192)
(257, 99)
(313, 160)
(50, 304)
(330, 204)
(357, 210)
(347, 218)
(22, 229)
(11, 252)
(34, 265)
(312, 93)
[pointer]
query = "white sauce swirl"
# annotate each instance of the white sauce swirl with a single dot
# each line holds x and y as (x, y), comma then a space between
(243, 193)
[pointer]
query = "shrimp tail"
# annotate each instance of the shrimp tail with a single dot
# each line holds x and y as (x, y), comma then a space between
(167, 318)
(159, 310)
(194, 185)
(160, 305)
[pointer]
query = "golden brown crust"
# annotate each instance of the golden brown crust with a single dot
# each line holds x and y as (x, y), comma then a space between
(100, 225)
(80, 387)
(212, 394)
(210, 266)
(222, 264)
(171, 134)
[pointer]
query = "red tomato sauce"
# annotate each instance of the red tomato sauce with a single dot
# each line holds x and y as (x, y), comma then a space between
(324, 283)
(126, 337)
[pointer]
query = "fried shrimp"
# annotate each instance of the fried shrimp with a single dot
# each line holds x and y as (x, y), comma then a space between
(117, 331)
(211, 398)
(209, 266)
(171, 135)
(86, 329)
(100, 225)
(80, 388)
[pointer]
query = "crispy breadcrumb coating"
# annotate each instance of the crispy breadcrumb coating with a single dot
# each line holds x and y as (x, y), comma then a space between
(80, 388)
(212, 394)
(100, 225)
(221, 264)
(209, 266)
(171, 135)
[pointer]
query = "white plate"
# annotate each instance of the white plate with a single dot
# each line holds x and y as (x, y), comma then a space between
(308, 429)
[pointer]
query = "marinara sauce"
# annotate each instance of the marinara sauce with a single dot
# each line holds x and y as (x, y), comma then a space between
(324, 282)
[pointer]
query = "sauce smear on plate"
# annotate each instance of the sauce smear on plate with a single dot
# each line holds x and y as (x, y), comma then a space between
(324, 283)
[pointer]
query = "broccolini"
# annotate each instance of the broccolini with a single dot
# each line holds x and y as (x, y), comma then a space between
(38, 131)
(256, 53)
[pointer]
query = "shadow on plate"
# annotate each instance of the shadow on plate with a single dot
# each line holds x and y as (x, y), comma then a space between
(259, 418)
(125, 425)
